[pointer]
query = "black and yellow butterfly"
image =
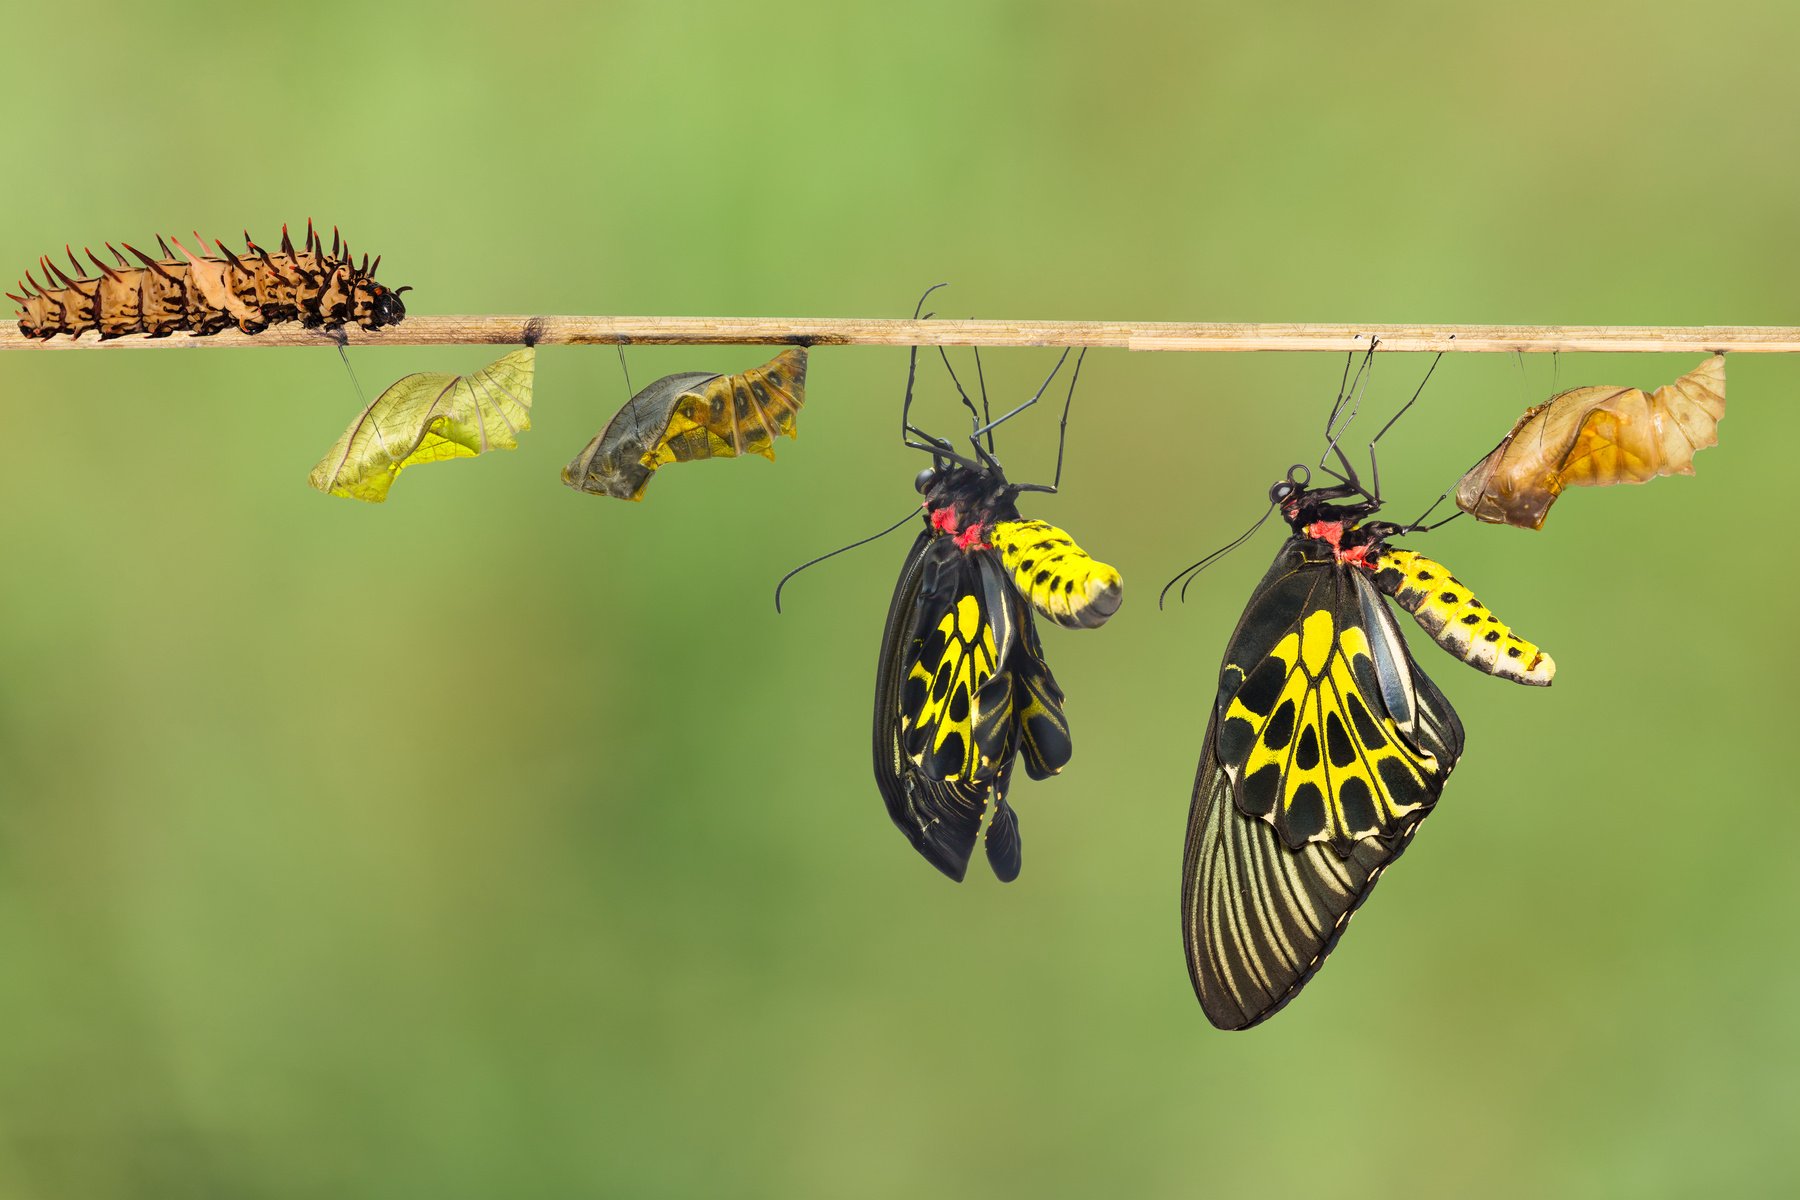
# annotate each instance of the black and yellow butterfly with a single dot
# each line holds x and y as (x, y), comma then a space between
(1326, 745)
(961, 687)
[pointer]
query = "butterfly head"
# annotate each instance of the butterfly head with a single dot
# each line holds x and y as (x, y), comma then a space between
(1303, 506)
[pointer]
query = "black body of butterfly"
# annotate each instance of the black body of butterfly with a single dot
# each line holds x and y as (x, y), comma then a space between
(1326, 744)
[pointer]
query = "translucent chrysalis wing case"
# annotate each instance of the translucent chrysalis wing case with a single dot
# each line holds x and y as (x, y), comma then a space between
(202, 294)
(1326, 745)
(693, 415)
(430, 417)
(962, 688)
(1595, 437)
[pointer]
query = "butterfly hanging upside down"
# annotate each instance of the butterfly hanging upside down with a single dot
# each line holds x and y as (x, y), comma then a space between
(962, 688)
(1326, 745)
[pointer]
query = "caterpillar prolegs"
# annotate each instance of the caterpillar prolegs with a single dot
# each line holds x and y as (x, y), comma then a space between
(203, 295)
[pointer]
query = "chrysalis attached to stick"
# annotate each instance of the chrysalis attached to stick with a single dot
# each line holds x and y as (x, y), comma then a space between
(1595, 437)
(696, 414)
(430, 418)
(202, 294)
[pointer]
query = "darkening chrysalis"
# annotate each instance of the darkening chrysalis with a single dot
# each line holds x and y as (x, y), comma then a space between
(692, 415)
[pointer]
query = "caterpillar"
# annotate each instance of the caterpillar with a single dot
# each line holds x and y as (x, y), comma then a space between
(203, 295)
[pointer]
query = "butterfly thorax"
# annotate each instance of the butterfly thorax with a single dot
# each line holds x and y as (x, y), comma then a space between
(1343, 531)
(966, 504)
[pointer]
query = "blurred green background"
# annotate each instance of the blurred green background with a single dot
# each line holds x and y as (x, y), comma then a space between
(500, 841)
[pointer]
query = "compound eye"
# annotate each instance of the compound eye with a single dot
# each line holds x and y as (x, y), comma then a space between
(924, 479)
(1280, 493)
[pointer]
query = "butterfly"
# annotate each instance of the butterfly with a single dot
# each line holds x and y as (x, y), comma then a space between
(962, 689)
(1327, 745)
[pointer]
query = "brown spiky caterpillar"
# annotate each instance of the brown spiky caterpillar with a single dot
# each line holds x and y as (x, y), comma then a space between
(203, 295)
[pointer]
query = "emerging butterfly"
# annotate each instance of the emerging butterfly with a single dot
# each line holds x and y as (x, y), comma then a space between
(961, 687)
(1326, 745)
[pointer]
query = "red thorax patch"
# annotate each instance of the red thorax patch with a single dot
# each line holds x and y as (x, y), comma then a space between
(1332, 534)
(1329, 532)
(970, 538)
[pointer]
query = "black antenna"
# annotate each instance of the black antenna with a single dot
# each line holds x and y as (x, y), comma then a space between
(1298, 475)
(1193, 572)
(910, 514)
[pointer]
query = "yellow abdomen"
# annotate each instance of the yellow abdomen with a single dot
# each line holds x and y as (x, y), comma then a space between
(1059, 578)
(1457, 621)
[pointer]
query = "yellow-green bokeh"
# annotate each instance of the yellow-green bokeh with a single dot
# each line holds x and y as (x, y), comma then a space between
(500, 841)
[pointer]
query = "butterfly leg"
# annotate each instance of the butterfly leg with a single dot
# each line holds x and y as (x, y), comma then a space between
(1062, 435)
(1003, 418)
(1374, 466)
(985, 454)
(1346, 406)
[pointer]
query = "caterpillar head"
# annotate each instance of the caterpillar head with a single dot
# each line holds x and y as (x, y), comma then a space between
(384, 305)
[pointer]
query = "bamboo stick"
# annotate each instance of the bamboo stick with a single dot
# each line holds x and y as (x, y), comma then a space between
(860, 331)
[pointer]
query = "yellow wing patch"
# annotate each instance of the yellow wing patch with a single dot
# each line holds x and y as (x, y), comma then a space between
(735, 414)
(1457, 621)
(1059, 578)
(1305, 749)
(940, 703)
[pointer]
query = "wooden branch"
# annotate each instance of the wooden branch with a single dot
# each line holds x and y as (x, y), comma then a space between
(859, 331)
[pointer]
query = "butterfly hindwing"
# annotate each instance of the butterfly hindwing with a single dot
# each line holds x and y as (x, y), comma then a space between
(956, 704)
(1038, 704)
(1002, 838)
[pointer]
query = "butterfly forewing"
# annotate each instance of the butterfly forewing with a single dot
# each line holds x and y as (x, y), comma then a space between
(956, 697)
(941, 819)
(1326, 747)
(1319, 709)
